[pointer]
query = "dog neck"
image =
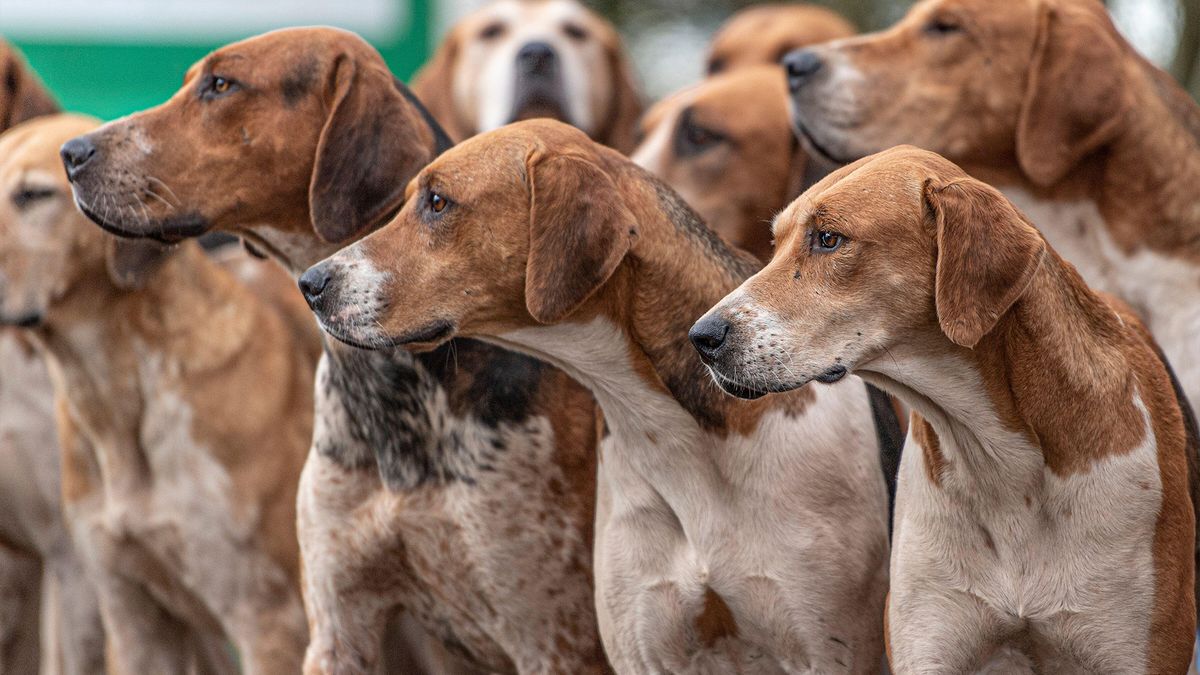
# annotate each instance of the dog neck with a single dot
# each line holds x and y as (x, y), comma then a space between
(1050, 387)
(111, 352)
(632, 334)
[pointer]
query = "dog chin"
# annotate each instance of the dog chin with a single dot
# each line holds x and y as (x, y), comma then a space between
(821, 148)
(426, 338)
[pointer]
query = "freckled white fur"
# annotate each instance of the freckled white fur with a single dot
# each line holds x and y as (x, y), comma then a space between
(1164, 290)
(786, 525)
(487, 71)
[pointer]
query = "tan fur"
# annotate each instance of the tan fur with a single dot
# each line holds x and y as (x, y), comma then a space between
(748, 166)
(716, 518)
(496, 564)
(482, 46)
(22, 95)
(764, 34)
(1045, 100)
(1045, 518)
(190, 397)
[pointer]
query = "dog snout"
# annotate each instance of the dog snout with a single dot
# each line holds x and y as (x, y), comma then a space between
(76, 153)
(801, 65)
(537, 58)
(708, 336)
(314, 281)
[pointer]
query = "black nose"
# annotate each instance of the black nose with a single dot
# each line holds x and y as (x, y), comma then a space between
(801, 65)
(76, 153)
(537, 58)
(708, 336)
(313, 282)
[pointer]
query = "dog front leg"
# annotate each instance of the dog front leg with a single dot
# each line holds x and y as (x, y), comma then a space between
(347, 613)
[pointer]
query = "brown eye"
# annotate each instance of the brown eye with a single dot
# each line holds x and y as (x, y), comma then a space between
(941, 26)
(437, 202)
(828, 242)
(220, 85)
(492, 31)
(575, 31)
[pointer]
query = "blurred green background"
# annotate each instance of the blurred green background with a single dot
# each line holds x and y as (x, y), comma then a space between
(113, 57)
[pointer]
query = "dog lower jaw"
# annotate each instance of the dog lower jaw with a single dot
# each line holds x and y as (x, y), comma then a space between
(734, 388)
(424, 339)
(185, 227)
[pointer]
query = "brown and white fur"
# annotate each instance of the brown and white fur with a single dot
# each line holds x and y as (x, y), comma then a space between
(1044, 521)
(186, 398)
(39, 567)
(457, 485)
(518, 59)
(726, 146)
(1045, 100)
(730, 536)
(761, 35)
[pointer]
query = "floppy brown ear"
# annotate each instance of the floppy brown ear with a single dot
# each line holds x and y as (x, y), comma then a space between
(132, 262)
(987, 254)
(620, 129)
(434, 85)
(1075, 98)
(22, 95)
(579, 230)
(373, 142)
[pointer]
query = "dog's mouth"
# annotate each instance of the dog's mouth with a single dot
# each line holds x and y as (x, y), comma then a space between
(166, 231)
(735, 388)
(538, 99)
(814, 145)
(425, 338)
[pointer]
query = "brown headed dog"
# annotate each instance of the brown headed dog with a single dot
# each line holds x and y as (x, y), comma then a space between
(1045, 100)
(457, 484)
(186, 413)
(726, 147)
(1044, 518)
(39, 568)
(518, 59)
(731, 536)
(764, 34)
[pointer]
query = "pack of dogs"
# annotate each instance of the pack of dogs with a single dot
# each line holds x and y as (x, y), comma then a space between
(308, 370)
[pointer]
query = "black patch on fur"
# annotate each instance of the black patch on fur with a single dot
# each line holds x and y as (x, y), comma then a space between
(299, 82)
(441, 140)
(891, 444)
(404, 414)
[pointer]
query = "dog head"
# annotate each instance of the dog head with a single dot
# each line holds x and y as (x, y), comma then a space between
(726, 147)
(520, 59)
(895, 248)
(48, 249)
(296, 128)
(22, 95)
(764, 34)
(511, 228)
(1035, 83)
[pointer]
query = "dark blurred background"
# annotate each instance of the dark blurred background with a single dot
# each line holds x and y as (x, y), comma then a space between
(112, 57)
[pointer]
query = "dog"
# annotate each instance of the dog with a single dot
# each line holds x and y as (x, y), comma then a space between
(518, 59)
(730, 537)
(458, 484)
(1045, 100)
(40, 571)
(762, 35)
(187, 400)
(1045, 518)
(726, 146)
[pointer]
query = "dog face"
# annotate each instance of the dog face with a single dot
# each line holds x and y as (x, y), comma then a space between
(726, 146)
(976, 81)
(896, 248)
(297, 125)
(47, 248)
(508, 229)
(520, 59)
(22, 96)
(764, 34)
